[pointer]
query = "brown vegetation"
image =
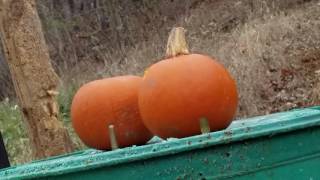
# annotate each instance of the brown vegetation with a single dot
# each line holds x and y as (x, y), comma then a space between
(271, 46)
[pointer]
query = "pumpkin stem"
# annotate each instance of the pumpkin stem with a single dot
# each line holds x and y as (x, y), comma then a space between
(177, 44)
(204, 126)
(112, 136)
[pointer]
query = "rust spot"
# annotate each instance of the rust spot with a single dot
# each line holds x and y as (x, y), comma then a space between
(228, 167)
(227, 154)
(228, 133)
(201, 175)
(206, 161)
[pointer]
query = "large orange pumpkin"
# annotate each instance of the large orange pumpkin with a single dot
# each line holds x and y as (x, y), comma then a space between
(111, 101)
(179, 91)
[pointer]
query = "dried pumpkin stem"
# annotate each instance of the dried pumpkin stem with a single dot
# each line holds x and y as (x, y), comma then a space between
(112, 136)
(177, 44)
(204, 126)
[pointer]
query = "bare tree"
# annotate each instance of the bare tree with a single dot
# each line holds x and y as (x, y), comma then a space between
(34, 79)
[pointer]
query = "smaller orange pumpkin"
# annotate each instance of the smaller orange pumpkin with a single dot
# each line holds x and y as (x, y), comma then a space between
(111, 101)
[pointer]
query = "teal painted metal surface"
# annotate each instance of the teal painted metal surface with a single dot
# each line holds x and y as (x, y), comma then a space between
(278, 146)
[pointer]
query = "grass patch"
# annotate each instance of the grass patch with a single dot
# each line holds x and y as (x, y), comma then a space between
(14, 131)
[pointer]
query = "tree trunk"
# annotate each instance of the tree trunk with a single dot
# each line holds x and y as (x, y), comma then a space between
(34, 79)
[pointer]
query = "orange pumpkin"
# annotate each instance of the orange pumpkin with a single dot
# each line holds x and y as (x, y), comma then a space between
(179, 91)
(111, 101)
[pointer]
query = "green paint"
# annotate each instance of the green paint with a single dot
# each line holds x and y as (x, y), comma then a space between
(278, 146)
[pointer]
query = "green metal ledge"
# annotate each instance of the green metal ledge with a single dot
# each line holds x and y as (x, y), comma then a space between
(282, 145)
